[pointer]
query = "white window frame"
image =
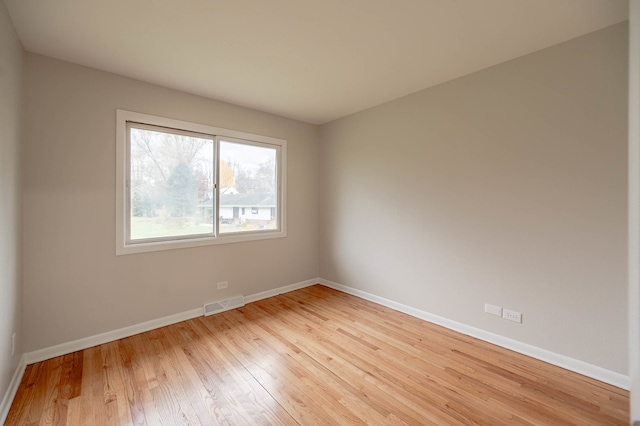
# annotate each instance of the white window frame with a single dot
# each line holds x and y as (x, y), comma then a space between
(124, 246)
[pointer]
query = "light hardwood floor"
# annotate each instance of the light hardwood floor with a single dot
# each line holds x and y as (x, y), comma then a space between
(311, 357)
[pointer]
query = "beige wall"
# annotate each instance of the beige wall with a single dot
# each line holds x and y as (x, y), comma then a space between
(74, 285)
(10, 199)
(506, 186)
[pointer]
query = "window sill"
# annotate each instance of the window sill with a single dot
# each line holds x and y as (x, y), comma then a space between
(197, 242)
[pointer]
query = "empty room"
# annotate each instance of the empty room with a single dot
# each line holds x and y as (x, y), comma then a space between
(416, 212)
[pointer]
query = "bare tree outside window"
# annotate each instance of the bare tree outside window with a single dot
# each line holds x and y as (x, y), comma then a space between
(171, 175)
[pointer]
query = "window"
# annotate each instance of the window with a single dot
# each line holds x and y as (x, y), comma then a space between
(182, 184)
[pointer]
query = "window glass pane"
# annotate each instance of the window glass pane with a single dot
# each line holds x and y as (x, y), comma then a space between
(171, 184)
(248, 187)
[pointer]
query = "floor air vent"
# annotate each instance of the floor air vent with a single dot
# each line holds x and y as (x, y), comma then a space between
(223, 305)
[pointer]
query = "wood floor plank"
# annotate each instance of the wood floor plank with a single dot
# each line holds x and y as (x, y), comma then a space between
(137, 392)
(28, 409)
(115, 377)
(168, 363)
(166, 380)
(315, 356)
(52, 407)
(104, 398)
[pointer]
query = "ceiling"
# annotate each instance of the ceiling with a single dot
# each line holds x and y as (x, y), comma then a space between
(310, 60)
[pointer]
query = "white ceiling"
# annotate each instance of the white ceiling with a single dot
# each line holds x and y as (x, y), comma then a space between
(311, 60)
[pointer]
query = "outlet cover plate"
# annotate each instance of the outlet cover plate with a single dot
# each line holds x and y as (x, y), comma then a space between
(223, 284)
(493, 309)
(512, 315)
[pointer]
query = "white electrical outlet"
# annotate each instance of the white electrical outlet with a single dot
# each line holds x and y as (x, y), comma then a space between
(223, 284)
(493, 309)
(13, 344)
(512, 315)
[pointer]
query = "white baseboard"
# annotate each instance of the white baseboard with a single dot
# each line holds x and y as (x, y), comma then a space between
(110, 336)
(280, 290)
(577, 366)
(5, 405)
